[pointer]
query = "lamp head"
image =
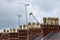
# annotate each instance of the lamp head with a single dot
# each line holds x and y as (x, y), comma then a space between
(25, 4)
(30, 14)
(18, 15)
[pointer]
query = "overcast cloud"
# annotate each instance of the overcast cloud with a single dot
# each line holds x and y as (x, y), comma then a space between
(39, 8)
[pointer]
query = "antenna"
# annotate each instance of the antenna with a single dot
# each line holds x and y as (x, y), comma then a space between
(19, 16)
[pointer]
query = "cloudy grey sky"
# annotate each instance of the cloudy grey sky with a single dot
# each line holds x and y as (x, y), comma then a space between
(39, 8)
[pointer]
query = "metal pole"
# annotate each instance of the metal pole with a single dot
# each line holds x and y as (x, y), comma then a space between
(34, 17)
(19, 19)
(26, 22)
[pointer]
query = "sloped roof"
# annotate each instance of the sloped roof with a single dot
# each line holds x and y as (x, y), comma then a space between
(36, 37)
(53, 36)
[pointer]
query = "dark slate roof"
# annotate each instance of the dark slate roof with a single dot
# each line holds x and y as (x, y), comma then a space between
(53, 36)
(36, 37)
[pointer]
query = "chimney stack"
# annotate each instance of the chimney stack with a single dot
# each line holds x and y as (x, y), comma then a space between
(37, 25)
(4, 31)
(11, 30)
(29, 25)
(53, 21)
(57, 21)
(20, 27)
(24, 27)
(7, 31)
(45, 20)
(14, 30)
(33, 25)
(49, 20)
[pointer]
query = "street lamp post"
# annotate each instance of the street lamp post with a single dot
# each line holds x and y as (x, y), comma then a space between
(33, 17)
(26, 18)
(19, 19)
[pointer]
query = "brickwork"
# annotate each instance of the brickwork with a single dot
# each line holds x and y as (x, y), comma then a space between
(22, 34)
(49, 28)
(0, 36)
(33, 32)
(42, 30)
(13, 36)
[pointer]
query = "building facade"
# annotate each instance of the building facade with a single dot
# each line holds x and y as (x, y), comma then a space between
(49, 25)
